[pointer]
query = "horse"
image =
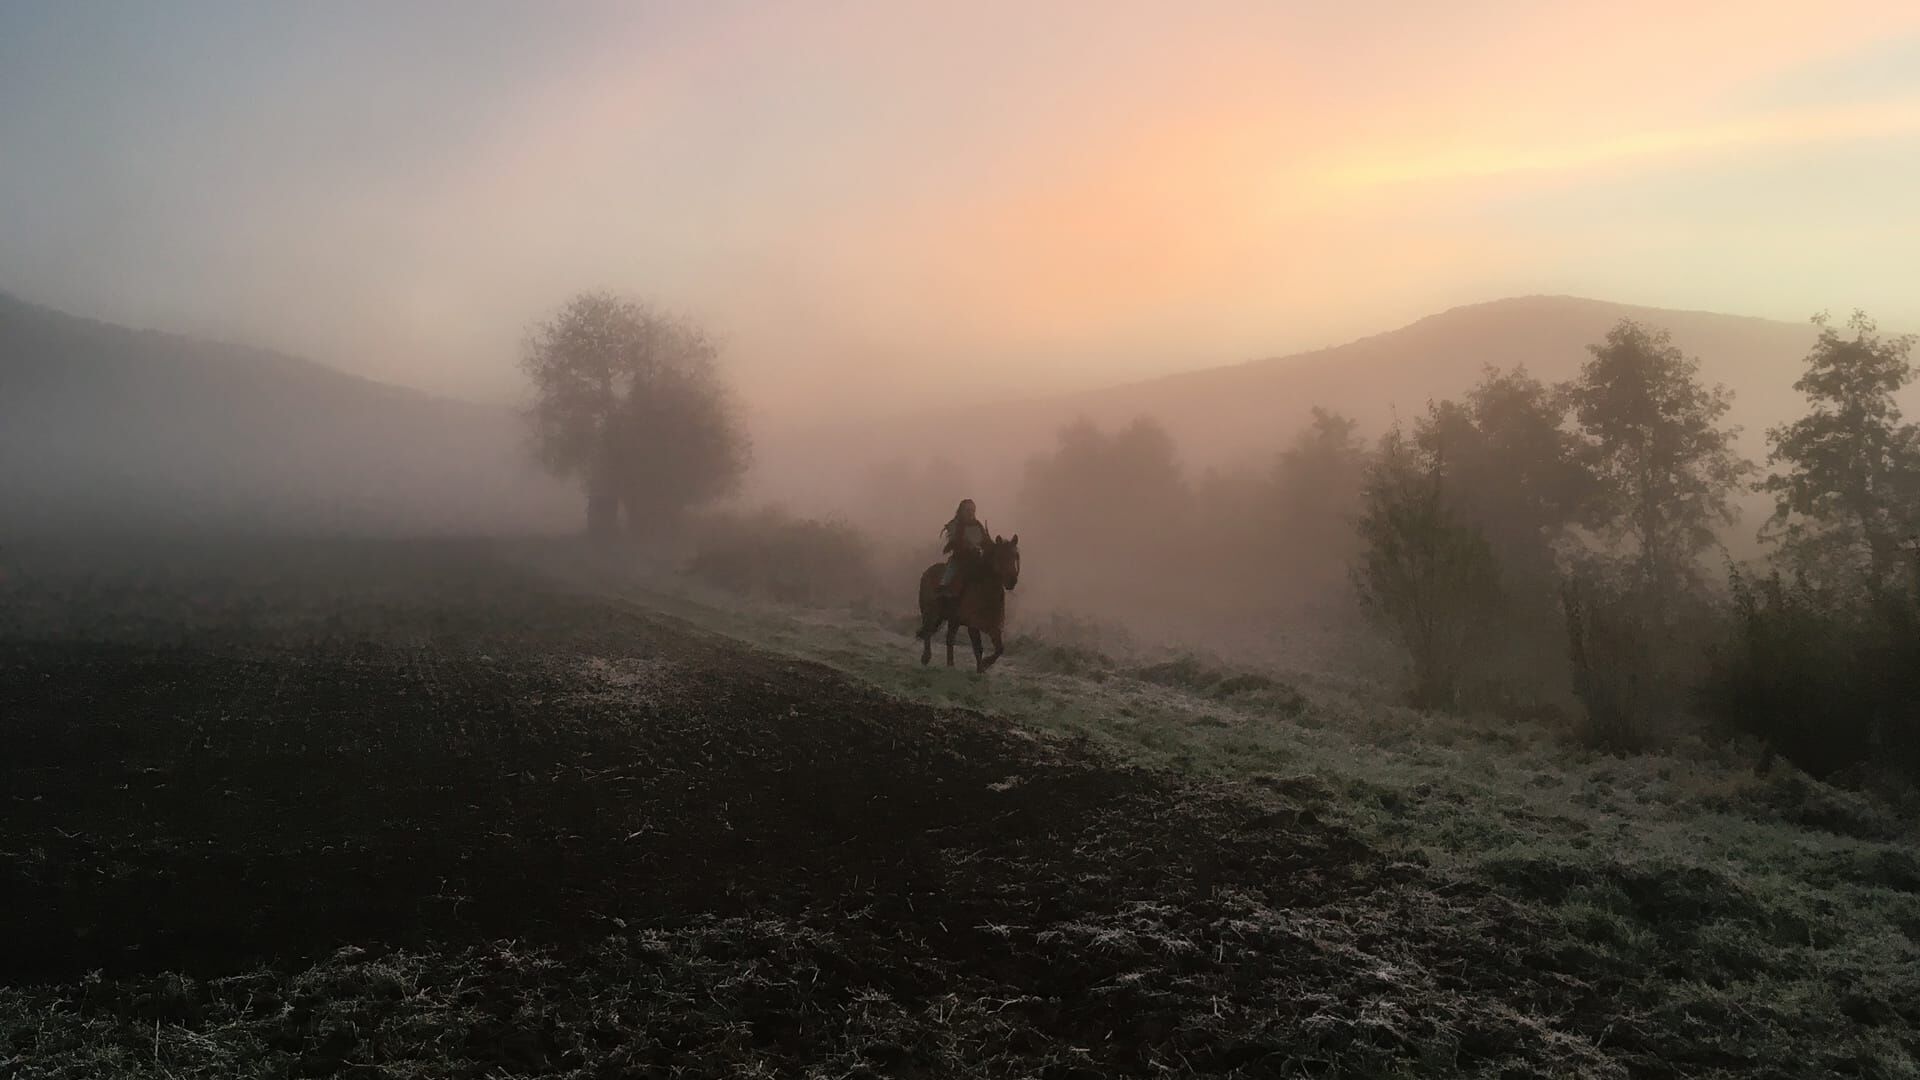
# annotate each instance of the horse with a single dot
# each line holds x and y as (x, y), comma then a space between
(982, 604)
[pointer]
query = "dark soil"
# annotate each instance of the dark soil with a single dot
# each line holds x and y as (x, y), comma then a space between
(397, 810)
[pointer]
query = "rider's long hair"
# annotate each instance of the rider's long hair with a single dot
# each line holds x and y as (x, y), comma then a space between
(952, 527)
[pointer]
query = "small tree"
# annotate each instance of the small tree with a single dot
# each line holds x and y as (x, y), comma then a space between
(1119, 502)
(1424, 575)
(1316, 491)
(628, 401)
(1849, 490)
(1097, 492)
(1665, 469)
(1514, 469)
(1513, 472)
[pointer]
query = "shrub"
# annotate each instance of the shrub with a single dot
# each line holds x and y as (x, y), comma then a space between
(1826, 678)
(770, 553)
(1634, 654)
(1609, 647)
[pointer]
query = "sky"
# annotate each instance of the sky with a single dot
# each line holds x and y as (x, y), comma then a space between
(879, 205)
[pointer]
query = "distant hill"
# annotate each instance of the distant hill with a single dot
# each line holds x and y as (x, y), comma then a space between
(1227, 414)
(106, 427)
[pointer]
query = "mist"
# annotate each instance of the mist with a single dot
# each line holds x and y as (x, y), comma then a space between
(628, 538)
(917, 238)
(884, 211)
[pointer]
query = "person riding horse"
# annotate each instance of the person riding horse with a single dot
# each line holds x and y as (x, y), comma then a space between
(966, 542)
(969, 589)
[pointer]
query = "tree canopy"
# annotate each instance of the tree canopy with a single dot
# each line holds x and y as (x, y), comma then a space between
(629, 401)
(1847, 489)
(1424, 574)
(1664, 466)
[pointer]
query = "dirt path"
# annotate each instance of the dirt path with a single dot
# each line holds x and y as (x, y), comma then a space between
(445, 755)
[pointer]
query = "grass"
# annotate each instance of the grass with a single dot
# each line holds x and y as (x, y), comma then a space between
(719, 862)
(1751, 916)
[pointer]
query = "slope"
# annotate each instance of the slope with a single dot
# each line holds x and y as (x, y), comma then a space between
(107, 427)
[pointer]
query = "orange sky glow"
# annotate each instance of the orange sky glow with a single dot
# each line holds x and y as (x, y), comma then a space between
(864, 199)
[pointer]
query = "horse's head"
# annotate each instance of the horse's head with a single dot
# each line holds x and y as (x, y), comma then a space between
(1004, 556)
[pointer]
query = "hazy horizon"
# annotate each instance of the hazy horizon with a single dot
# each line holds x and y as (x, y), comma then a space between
(868, 202)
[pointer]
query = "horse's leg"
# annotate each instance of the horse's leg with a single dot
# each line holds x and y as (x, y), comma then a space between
(953, 631)
(998, 649)
(974, 636)
(929, 622)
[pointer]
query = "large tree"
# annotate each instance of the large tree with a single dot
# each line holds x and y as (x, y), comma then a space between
(1664, 465)
(628, 401)
(1847, 493)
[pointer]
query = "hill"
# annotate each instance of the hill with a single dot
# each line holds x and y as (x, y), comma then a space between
(106, 427)
(1221, 415)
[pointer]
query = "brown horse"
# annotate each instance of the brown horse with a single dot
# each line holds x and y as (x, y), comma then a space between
(982, 604)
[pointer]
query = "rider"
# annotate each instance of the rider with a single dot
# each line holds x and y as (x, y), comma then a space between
(966, 543)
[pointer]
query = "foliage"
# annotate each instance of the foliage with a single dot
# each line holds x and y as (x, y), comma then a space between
(773, 554)
(1512, 466)
(1615, 639)
(1424, 574)
(1095, 484)
(1514, 473)
(1316, 492)
(1848, 491)
(628, 400)
(1118, 502)
(1664, 466)
(1829, 677)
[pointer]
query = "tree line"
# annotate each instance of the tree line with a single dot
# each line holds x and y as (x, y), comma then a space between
(1522, 544)
(1531, 542)
(1599, 501)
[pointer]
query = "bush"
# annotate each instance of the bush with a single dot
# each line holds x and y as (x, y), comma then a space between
(770, 553)
(1633, 655)
(1828, 679)
(1609, 648)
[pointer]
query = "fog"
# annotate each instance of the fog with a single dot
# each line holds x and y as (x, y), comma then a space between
(926, 245)
(883, 210)
(861, 538)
